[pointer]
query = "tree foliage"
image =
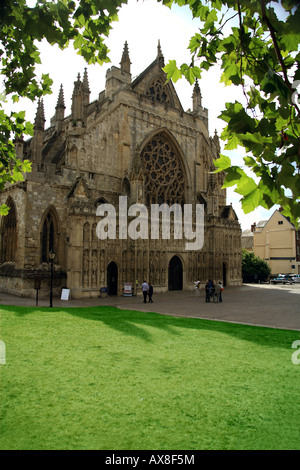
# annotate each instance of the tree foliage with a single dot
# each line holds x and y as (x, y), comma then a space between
(83, 23)
(255, 43)
(254, 268)
(255, 47)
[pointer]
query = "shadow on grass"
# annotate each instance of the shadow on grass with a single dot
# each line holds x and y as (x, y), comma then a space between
(134, 323)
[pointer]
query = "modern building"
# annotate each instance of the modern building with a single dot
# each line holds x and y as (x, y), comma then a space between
(276, 240)
(134, 140)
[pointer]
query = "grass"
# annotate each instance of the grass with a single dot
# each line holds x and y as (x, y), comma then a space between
(103, 378)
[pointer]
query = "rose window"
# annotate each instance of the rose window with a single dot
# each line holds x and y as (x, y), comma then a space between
(163, 172)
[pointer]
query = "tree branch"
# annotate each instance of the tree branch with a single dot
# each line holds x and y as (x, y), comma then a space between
(277, 49)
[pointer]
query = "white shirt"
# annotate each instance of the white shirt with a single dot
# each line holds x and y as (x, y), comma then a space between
(145, 286)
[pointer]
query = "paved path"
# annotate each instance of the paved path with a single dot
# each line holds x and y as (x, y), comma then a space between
(260, 305)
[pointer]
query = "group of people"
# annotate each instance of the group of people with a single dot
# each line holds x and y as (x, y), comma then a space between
(147, 290)
(212, 290)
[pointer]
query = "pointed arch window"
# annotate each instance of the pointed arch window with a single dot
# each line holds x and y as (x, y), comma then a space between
(157, 91)
(48, 236)
(9, 234)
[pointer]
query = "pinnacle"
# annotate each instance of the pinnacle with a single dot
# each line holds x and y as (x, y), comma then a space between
(39, 122)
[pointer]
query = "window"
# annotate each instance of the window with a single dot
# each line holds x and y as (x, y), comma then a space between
(48, 236)
(163, 172)
(9, 234)
(280, 222)
(157, 91)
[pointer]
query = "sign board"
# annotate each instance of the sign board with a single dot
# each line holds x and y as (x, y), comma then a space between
(103, 290)
(127, 289)
(65, 294)
(37, 282)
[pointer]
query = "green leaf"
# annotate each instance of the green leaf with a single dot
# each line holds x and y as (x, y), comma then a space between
(222, 163)
(172, 71)
(245, 185)
(251, 201)
(233, 175)
(4, 209)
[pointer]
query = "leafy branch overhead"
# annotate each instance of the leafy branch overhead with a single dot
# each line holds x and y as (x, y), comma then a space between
(255, 44)
(85, 23)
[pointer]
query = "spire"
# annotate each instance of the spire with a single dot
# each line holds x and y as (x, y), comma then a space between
(37, 141)
(85, 81)
(85, 90)
(125, 61)
(59, 111)
(61, 101)
(39, 123)
(77, 112)
(77, 85)
(160, 57)
(216, 140)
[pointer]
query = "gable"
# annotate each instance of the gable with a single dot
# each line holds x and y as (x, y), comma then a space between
(79, 189)
(228, 213)
(276, 221)
(152, 84)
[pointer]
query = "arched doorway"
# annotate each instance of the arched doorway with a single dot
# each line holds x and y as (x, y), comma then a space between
(112, 279)
(175, 274)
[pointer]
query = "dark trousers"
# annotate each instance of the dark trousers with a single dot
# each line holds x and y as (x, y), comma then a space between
(145, 296)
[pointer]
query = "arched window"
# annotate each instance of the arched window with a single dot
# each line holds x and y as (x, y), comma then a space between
(126, 187)
(9, 234)
(158, 91)
(48, 236)
(163, 172)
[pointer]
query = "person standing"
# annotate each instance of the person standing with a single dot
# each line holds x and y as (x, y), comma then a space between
(197, 287)
(221, 290)
(217, 292)
(207, 292)
(150, 292)
(145, 289)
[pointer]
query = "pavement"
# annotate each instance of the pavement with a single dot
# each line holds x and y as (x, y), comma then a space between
(267, 305)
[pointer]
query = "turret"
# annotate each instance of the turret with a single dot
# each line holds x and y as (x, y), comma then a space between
(118, 77)
(197, 98)
(198, 109)
(80, 98)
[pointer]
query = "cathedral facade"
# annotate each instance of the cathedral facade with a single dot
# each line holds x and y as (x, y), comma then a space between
(136, 141)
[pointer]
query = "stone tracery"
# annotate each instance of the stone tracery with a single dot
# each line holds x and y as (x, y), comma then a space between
(157, 91)
(163, 172)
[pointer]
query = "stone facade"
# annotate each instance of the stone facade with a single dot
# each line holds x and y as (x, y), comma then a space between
(137, 141)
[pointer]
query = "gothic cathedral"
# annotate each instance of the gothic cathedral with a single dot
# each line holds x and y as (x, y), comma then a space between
(135, 140)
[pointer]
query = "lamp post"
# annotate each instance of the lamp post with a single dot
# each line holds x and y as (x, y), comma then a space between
(51, 257)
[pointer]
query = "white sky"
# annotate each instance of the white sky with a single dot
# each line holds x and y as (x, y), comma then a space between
(142, 24)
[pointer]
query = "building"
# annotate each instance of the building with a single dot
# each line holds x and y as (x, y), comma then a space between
(276, 240)
(137, 141)
(247, 240)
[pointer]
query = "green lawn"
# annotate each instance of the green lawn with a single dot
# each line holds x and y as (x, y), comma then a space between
(103, 378)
